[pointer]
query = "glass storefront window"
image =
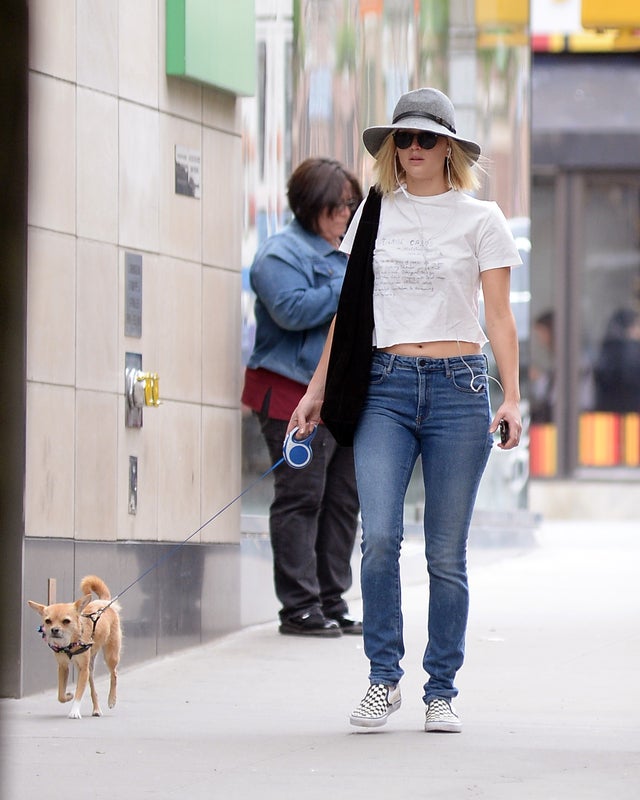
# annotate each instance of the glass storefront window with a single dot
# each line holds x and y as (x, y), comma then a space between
(584, 374)
(609, 396)
(345, 63)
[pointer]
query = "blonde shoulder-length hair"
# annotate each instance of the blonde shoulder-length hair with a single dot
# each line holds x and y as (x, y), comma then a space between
(390, 175)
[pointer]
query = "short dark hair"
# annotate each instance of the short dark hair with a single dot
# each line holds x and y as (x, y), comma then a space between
(317, 184)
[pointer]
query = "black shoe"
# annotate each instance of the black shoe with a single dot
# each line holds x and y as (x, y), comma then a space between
(310, 624)
(348, 624)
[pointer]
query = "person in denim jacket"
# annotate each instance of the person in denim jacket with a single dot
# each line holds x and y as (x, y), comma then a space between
(297, 276)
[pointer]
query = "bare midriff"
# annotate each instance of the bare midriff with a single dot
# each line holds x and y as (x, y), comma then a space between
(446, 349)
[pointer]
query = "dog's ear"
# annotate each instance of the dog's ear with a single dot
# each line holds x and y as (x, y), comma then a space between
(36, 606)
(82, 602)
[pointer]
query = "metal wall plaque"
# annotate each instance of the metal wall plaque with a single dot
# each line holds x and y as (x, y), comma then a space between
(133, 295)
(187, 171)
(133, 485)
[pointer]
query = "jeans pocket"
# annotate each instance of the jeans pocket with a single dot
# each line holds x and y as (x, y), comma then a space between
(378, 372)
(469, 379)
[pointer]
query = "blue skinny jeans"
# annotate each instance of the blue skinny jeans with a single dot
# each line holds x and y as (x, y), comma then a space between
(437, 409)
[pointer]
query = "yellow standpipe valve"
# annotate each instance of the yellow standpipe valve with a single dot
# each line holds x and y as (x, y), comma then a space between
(151, 381)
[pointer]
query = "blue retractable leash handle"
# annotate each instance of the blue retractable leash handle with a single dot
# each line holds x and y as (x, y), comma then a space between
(297, 452)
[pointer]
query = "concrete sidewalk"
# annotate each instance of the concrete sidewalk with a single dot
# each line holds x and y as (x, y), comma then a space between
(549, 698)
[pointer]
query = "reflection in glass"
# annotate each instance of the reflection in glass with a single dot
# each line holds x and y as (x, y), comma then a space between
(609, 428)
(330, 68)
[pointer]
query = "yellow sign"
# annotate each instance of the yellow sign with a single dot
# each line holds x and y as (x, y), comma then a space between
(502, 13)
(611, 14)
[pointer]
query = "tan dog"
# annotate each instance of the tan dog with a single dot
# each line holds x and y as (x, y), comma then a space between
(76, 632)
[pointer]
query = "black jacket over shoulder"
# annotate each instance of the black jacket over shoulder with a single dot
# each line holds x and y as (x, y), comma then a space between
(350, 359)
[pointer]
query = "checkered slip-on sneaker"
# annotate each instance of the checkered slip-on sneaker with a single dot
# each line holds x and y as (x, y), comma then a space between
(441, 717)
(376, 705)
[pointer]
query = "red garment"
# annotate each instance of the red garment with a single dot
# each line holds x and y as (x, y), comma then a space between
(283, 393)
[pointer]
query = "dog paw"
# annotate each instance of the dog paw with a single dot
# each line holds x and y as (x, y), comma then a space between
(65, 698)
(75, 713)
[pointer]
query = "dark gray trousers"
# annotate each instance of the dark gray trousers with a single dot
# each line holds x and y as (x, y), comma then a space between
(312, 523)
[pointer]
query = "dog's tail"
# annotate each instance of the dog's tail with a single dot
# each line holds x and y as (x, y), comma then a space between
(91, 583)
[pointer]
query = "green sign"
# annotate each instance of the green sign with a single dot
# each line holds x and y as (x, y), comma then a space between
(213, 42)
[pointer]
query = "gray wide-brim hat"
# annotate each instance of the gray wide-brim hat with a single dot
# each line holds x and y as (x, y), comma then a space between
(421, 110)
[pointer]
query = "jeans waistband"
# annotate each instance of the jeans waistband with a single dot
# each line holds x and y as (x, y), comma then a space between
(391, 360)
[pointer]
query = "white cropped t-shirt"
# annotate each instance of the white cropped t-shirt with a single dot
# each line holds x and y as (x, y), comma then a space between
(427, 261)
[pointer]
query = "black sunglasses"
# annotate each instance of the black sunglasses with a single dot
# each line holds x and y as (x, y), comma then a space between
(426, 139)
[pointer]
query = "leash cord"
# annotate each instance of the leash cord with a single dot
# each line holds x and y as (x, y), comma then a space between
(176, 547)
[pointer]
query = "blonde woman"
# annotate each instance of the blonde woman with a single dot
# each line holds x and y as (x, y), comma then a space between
(403, 376)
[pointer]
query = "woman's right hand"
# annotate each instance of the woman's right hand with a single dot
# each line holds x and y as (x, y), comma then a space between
(306, 415)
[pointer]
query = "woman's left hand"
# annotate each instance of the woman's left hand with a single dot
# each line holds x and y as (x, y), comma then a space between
(510, 413)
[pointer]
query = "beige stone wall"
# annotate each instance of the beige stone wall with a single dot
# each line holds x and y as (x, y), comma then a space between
(104, 121)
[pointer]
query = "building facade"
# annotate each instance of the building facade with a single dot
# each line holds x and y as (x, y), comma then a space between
(133, 241)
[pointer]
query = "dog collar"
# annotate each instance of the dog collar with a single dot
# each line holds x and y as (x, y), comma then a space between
(82, 646)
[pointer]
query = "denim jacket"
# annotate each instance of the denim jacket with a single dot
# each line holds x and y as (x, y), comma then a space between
(297, 277)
